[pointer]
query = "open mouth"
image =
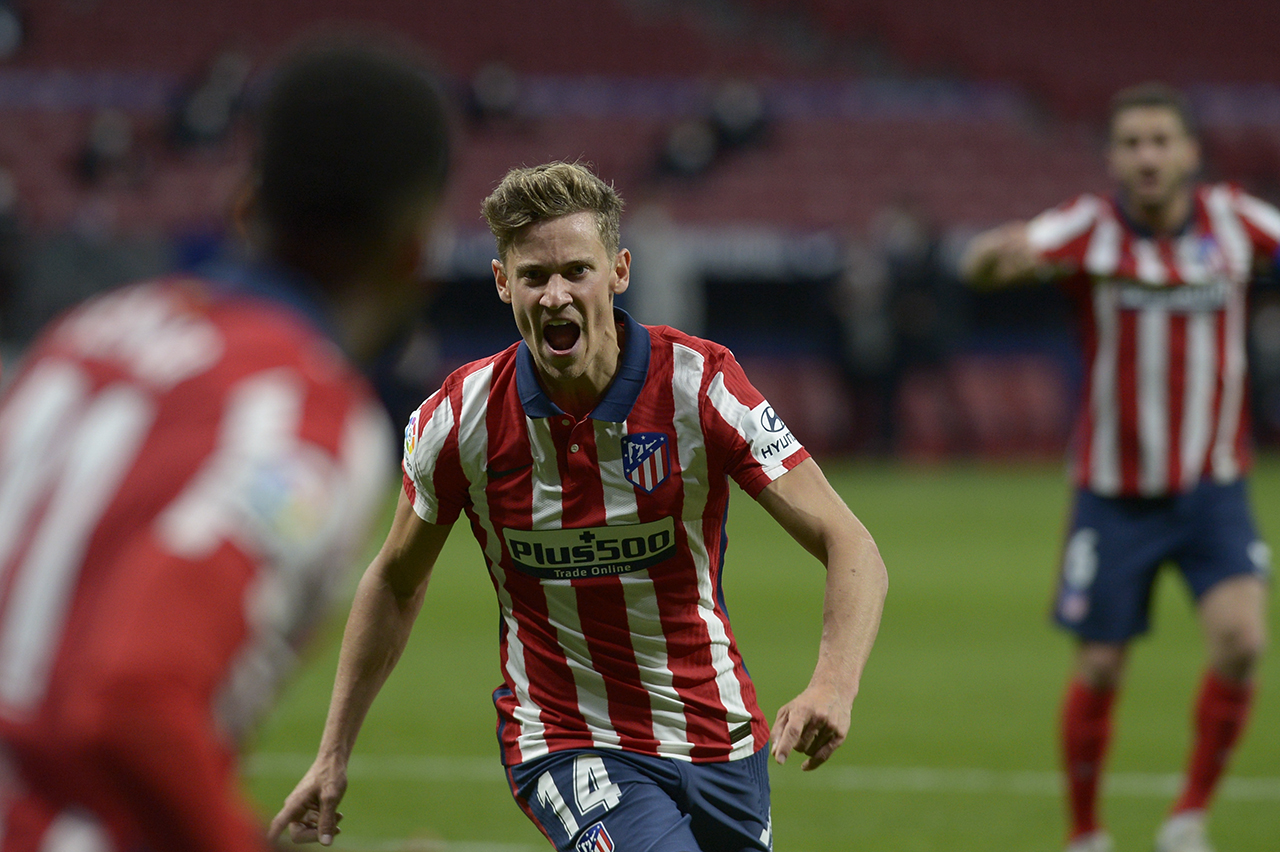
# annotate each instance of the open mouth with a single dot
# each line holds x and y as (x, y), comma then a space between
(561, 335)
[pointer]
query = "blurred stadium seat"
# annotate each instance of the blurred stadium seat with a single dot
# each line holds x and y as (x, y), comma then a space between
(973, 113)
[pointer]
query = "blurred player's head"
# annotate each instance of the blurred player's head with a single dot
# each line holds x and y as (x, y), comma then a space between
(352, 156)
(545, 192)
(1152, 149)
(559, 267)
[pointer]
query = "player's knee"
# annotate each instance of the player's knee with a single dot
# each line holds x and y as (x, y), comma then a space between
(1236, 648)
(1101, 666)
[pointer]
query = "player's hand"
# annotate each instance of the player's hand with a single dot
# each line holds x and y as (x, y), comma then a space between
(1000, 256)
(311, 811)
(815, 724)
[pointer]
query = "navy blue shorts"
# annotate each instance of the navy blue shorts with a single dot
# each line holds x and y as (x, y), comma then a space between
(600, 800)
(1117, 545)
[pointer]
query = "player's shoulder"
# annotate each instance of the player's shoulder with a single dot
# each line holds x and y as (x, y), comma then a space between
(664, 339)
(1084, 206)
(497, 363)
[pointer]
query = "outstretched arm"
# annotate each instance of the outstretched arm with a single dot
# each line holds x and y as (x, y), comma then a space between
(1000, 256)
(386, 604)
(817, 721)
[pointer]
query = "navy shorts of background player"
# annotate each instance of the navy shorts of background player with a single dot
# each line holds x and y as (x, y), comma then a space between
(1117, 545)
(600, 800)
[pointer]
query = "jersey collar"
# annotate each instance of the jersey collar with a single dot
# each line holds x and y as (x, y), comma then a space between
(277, 283)
(619, 397)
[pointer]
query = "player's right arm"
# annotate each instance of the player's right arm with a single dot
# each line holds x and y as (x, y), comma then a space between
(386, 604)
(1001, 256)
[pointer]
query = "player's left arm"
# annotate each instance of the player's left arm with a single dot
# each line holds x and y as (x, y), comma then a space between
(803, 502)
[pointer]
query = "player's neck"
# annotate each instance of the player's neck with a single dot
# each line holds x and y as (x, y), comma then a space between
(1164, 219)
(579, 397)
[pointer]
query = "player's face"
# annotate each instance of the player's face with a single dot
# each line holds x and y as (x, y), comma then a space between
(1152, 156)
(560, 282)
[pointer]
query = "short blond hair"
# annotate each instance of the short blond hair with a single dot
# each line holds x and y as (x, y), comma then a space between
(549, 191)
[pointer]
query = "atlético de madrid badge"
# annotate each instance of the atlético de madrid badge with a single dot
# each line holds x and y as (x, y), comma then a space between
(646, 459)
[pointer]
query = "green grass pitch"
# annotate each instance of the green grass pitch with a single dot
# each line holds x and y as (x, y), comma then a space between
(953, 745)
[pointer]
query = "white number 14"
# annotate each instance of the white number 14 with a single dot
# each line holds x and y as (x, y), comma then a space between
(591, 789)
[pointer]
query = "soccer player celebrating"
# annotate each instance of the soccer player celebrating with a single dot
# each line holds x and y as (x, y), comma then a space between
(187, 466)
(592, 461)
(1159, 276)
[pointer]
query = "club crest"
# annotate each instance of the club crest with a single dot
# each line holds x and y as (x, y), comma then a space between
(646, 459)
(595, 839)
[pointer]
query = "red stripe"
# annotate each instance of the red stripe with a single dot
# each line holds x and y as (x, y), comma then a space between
(1127, 399)
(1177, 395)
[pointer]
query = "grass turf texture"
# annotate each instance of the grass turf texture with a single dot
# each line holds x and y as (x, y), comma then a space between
(966, 675)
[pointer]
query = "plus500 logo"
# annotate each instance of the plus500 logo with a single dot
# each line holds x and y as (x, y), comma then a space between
(591, 551)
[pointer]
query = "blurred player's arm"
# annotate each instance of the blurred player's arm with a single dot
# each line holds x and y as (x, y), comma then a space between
(1002, 256)
(139, 705)
(386, 604)
(808, 508)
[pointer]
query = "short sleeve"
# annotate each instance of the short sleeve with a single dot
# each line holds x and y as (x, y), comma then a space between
(430, 454)
(740, 421)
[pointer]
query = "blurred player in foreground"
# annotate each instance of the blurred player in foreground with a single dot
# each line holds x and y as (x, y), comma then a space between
(1159, 275)
(592, 461)
(188, 465)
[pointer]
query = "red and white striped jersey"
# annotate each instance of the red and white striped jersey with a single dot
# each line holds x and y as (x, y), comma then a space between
(186, 477)
(605, 541)
(1163, 326)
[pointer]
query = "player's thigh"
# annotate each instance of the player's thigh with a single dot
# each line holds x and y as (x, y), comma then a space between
(1113, 552)
(599, 801)
(1224, 545)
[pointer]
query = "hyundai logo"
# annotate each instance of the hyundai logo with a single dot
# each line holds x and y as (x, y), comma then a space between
(770, 420)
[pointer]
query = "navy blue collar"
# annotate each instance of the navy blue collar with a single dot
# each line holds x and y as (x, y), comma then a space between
(1145, 231)
(619, 397)
(273, 282)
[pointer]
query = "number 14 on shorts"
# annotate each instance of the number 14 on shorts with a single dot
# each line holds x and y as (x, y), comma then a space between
(592, 790)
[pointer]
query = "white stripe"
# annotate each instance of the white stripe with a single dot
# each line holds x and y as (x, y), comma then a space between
(897, 779)
(1225, 463)
(1230, 233)
(686, 384)
(1055, 228)
(1104, 444)
(425, 453)
(1103, 254)
(619, 493)
(546, 476)
(1148, 266)
(1153, 400)
(1201, 376)
(1239, 253)
(1260, 214)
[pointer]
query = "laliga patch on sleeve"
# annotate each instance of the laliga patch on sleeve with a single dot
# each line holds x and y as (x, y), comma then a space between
(595, 839)
(290, 500)
(771, 440)
(411, 436)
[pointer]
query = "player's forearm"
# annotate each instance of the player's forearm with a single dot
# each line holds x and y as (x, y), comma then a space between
(856, 585)
(376, 634)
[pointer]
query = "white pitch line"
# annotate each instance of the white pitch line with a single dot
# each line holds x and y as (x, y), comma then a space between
(886, 779)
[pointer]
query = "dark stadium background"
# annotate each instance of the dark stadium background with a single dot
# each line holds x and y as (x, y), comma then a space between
(799, 173)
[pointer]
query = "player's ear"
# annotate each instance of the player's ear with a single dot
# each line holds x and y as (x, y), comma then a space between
(621, 272)
(244, 208)
(501, 282)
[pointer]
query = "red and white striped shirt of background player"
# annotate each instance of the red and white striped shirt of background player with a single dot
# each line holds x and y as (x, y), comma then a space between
(629, 650)
(185, 478)
(1163, 321)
